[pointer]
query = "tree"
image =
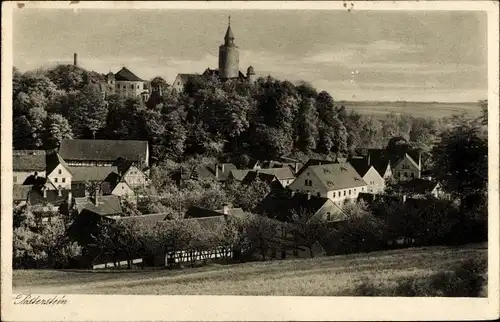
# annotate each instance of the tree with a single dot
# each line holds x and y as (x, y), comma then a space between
(248, 196)
(57, 129)
(306, 230)
(461, 164)
(261, 233)
(21, 135)
(89, 112)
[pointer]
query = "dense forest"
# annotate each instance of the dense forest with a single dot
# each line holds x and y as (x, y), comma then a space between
(229, 121)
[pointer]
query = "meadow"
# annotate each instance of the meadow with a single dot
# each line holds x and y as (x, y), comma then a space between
(378, 273)
(416, 109)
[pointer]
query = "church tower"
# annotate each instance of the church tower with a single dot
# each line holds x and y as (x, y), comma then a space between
(229, 57)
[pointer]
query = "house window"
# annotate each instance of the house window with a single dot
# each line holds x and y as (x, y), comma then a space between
(349, 192)
(334, 194)
(59, 172)
(319, 195)
(413, 175)
(344, 193)
(63, 180)
(55, 180)
(15, 179)
(137, 86)
(399, 174)
(124, 86)
(406, 174)
(132, 86)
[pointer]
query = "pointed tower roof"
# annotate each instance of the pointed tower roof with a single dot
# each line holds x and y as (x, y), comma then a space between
(229, 37)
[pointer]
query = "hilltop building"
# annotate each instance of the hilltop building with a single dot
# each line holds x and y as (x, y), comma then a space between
(229, 61)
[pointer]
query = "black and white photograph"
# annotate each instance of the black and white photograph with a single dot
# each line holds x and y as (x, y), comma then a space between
(239, 151)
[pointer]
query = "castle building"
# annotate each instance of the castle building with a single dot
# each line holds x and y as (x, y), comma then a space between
(229, 61)
(126, 84)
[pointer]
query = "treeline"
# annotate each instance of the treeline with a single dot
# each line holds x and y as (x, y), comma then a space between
(229, 121)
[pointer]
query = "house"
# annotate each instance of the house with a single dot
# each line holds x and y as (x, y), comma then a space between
(284, 175)
(405, 163)
(180, 81)
(218, 172)
(258, 165)
(58, 172)
(362, 165)
(28, 164)
(81, 153)
(132, 175)
(336, 181)
(420, 188)
(106, 177)
(285, 204)
(125, 84)
(108, 206)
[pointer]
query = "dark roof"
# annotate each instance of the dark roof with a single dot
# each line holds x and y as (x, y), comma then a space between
(107, 205)
(394, 157)
(282, 205)
(28, 160)
(148, 221)
(126, 75)
(20, 192)
(215, 73)
(110, 182)
(199, 212)
(337, 176)
(103, 150)
(417, 186)
(257, 174)
(360, 164)
(229, 33)
(82, 174)
(311, 162)
(53, 160)
(208, 171)
(33, 180)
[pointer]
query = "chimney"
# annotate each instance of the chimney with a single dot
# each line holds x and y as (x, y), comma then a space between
(225, 209)
(44, 192)
(404, 198)
(96, 195)
(369, 159)
(308, 195)
(296, 167)
(293, 193)
(59, 192)
(222, 167)
(216, 171)
(75, 57)
(36, 175)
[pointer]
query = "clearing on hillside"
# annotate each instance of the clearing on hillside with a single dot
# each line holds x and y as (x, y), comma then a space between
(330, 276)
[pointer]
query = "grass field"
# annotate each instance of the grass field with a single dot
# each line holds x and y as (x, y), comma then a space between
(417, 109)
(338, 275)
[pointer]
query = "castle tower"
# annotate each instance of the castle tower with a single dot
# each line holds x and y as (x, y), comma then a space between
(229, 57)
(250, 75)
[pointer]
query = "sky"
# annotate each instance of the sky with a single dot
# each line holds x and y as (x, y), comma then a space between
(357, 55)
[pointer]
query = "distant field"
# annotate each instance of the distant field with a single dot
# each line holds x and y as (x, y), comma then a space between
(418, 109)
(338, 275)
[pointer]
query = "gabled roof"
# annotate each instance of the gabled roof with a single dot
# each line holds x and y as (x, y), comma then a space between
(20, 192)
(28, 160)
(106, 205)
(82, 174)
(258, 174)
(311, 162)
(53, 160)
(238, 175)
(184, 77)
(199, 212)
(149, 221)
(103, 150)
(126, 75)
(283, 205)
(384, 156)
(337, 176)
(208, 171)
